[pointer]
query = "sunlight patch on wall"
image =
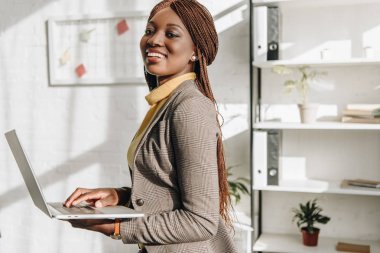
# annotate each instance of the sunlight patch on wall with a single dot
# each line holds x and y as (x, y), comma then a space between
(290, 112)
(371, 42)
(235, 119)
(230, 19)
(329, 50)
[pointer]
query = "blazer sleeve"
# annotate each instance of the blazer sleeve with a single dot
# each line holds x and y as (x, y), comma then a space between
(125, 195)
(193, 133)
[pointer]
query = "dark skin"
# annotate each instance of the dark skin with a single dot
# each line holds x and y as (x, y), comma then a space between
(168, 52)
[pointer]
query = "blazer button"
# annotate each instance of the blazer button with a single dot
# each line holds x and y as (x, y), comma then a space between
(140, 202)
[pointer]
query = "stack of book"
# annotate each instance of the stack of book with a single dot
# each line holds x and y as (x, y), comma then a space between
(362, 113)
(361, 183)
(349, 247)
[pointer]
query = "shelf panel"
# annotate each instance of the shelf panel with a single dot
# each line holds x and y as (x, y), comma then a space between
(317, 186)
(293, 244)
(318, 63)
(265, 2)
(316, 126)
(310, 2)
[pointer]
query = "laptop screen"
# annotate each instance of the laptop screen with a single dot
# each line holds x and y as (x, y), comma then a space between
(26, 171)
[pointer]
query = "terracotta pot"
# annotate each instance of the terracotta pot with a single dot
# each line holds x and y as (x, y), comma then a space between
(308, 238)
(308, 112)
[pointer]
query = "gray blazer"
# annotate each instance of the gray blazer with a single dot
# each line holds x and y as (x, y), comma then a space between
(175, 180)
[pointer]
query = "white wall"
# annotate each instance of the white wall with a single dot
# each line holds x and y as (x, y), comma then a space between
(78, 136)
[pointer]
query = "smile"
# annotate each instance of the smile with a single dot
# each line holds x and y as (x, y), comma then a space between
(155, 55)
(150, 52)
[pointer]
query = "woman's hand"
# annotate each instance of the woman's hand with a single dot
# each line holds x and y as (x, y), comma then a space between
(100, 197)
(105, 227)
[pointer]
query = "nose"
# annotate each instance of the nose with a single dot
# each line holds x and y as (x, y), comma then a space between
(156, 39)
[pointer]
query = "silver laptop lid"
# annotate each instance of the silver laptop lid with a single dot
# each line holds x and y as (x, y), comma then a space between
(27, 171)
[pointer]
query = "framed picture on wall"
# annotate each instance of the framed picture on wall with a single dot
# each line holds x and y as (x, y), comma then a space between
(96, 50)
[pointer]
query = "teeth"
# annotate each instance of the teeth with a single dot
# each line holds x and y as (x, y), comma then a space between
(155, 55)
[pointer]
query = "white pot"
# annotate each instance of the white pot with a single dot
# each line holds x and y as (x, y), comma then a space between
(308, 112)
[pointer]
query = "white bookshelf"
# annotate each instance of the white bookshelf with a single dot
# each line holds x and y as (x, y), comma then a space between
(318, 63)
(316, 126)
(317, 186)
(287, 243)
(314, 158)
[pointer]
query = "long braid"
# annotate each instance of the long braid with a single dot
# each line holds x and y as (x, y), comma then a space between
(203, 81)
(200, 25)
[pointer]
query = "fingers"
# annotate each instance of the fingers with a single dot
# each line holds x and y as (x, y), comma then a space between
(89, 196)
(77, 193)
(98, 197)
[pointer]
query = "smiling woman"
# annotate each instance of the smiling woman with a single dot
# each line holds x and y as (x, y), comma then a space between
(179, 177)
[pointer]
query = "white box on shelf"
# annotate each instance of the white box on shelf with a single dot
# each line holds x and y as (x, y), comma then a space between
(260, 163)
(261, 33)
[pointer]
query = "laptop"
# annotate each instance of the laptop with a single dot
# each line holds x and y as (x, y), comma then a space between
(58, 210)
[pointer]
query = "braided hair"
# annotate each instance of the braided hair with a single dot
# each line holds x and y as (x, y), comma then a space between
(200, 25)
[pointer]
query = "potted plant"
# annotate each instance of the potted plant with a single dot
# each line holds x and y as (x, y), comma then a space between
(304, 76)
(236, 186)
(306, 216)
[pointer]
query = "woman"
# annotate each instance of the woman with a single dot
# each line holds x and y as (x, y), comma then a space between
(176, 157)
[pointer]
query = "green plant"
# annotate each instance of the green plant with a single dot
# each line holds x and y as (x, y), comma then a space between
(309, 214)
(236, 186)
(301, 82)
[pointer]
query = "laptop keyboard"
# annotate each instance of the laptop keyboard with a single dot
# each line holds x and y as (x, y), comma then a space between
(73, 210)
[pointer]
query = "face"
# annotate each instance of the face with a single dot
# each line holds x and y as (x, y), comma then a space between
(166, 46)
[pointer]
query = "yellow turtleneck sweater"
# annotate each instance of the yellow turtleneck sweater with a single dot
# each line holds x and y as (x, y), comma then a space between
(156, 99)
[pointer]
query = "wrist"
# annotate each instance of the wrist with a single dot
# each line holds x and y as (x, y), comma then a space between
(116, 233)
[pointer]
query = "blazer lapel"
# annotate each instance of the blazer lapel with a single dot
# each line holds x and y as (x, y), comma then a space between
(158, 114)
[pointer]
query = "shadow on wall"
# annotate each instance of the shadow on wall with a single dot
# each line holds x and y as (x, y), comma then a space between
(16, 11)
(13, 12)
(48, 178)
(116, 116)
(116, 119)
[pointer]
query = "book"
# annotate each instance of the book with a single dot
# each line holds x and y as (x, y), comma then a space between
(363, 120)
(361, 183)
(366, 107)
(349, 247)
(362, 113)
(362, 110)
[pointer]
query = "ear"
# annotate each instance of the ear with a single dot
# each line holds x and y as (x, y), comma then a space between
(194, 56)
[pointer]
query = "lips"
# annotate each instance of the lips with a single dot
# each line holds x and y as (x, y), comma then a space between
(154, 55)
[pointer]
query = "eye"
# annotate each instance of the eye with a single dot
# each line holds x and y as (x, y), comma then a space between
(148, 31)
(171, 35)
